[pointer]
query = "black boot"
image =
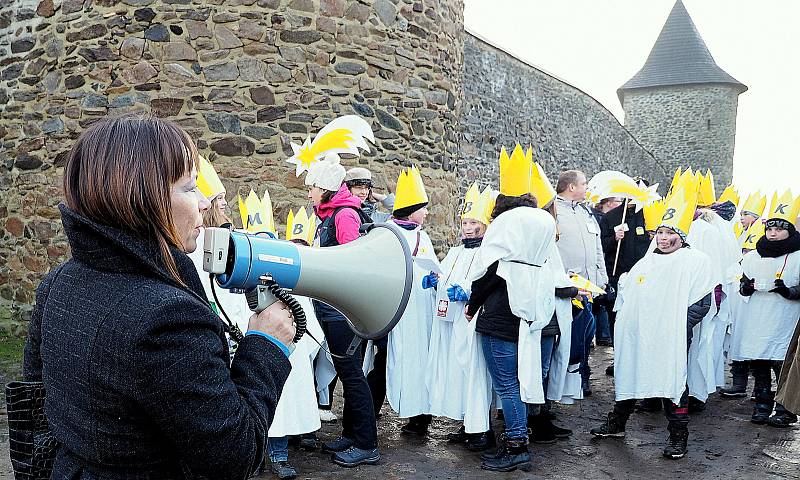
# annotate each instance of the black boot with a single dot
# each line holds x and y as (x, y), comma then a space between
(614, 426)
(763, 406)
(782, 418)
(696, 406)
(502, 444)
(649, 405)
(459, 436)
(541, 429)
(740, 374)
(676, 445)
(610, 370)
(479, 442)
(516, 456)
(417, 425)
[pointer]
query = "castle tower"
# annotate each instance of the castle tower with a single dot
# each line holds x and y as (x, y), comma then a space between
(681, 105)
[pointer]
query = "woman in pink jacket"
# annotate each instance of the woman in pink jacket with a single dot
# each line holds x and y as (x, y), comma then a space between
(341, 217)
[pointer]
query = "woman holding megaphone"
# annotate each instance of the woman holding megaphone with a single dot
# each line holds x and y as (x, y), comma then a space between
(133, 358)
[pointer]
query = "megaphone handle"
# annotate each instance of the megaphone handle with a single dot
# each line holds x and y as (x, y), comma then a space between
(259, 298)
(353, 345)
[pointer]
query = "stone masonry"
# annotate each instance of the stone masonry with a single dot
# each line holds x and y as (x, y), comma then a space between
(246, 77)
(243, 77)
(687, 125)
(508, 101)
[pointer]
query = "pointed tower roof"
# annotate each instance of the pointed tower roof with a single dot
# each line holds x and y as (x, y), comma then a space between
(679, 57)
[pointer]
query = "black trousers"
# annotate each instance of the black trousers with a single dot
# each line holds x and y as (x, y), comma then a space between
(677, 415)
(377, 377)
(358, 416)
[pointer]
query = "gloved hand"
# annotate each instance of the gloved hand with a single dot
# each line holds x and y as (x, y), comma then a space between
(430, 280)
(747, 286)
(781, 289)
(457, 294)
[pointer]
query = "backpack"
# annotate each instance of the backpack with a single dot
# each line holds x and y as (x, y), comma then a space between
(326, 232)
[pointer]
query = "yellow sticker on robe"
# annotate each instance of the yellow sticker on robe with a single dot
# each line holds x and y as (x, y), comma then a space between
(640, 279)
(639, 230)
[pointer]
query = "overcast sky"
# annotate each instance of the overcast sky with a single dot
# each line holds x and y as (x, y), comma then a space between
(597, 45)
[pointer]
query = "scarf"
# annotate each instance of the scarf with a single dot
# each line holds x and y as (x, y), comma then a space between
(405, 225)
(777, 248)
(472, 242)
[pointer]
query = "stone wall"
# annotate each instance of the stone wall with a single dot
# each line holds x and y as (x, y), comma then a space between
(507, 101)
(686, 125)
(243, 77)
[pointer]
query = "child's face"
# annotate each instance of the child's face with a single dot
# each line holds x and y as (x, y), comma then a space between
(776, 233)
(418, 217)
(668, 240)
(472, 228)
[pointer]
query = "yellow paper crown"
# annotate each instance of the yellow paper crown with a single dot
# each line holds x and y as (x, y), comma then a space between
(478, 205)
(755, 204)
(675, 179)
(515, 172)
(784, 207)
(255, 217)
(679, 212)
(729, 194)
(754, 233)
(705, 193)
(410, 189)
(540, 186)
(267, 204)
(208, 181)
(653, 213)
(738, 229)
(584, 284)
(301, 226)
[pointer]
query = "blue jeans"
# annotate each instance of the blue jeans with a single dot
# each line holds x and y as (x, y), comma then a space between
(278, 449)
(603, 325)
(501, 361)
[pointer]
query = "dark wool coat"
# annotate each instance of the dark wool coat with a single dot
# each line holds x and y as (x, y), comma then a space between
(136, 367)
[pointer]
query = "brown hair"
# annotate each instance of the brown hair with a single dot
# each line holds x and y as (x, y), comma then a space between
(213, 217)
(119, 174)
(504, 203)
(566, 179)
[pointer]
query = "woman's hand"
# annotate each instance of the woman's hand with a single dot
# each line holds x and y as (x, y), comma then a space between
(466, 313)
(276, 321)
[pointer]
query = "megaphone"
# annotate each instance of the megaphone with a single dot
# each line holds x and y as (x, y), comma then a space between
(368, 280)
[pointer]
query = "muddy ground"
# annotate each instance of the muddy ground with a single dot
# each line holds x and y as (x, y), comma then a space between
(722, 444)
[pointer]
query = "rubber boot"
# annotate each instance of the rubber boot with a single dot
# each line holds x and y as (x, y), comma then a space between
(740, 374)
(763, 407)
(782, 418)
(614, 426)
(516, 456)
(677, 442)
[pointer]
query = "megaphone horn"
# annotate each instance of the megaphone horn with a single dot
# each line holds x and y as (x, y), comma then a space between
(368, 280)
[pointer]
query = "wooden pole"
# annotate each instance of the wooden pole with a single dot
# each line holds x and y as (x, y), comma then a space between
(619, 242)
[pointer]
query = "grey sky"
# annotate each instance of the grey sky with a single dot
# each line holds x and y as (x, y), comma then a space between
(597, 45)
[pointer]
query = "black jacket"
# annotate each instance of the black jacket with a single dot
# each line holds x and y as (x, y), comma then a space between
(496, 318)
(634, 244)
(136, 367)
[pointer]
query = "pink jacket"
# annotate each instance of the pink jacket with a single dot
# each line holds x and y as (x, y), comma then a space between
(347, 220)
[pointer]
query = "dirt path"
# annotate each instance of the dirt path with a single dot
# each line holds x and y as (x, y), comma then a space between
(723, 444)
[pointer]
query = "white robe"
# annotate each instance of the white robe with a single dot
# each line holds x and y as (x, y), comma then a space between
(407, 356)
(457, 378)
(650, 358)
(714, 236)
(765, 321)
(522, 242)
(564, 380)
(297, 408)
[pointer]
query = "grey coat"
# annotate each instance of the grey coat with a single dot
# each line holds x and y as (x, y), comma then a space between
(579, 241)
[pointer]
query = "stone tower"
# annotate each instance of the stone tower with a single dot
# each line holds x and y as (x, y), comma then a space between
(681, 105)
(243, 77)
